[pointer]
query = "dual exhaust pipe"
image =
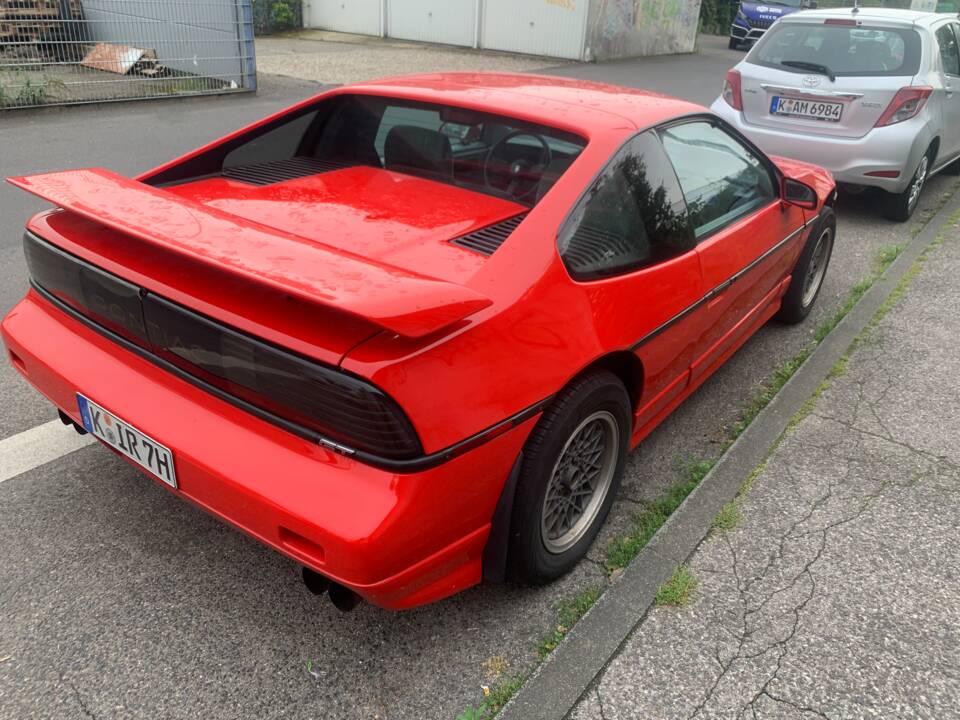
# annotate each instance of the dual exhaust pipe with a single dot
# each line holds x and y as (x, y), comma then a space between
(343, 599)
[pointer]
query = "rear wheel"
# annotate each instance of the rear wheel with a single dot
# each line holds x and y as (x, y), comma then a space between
(807, 278)
(900, 206)
(572, 466)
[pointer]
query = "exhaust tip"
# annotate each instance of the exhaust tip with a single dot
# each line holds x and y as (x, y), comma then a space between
(315, 582)
(343, 599)
(67, 420)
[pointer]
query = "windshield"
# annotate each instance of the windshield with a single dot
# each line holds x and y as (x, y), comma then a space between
(840, 49)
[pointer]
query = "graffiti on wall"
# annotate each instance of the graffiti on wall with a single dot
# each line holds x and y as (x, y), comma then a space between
(643, 27)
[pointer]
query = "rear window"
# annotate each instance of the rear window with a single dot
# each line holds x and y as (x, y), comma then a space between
(494, 154)
(844, 50)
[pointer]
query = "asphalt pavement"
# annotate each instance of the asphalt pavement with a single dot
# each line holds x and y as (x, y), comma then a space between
(120, 601)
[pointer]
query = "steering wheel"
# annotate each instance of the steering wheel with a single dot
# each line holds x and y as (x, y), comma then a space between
(517, 178)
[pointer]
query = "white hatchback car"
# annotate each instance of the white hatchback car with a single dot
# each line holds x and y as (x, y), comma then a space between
(872, 95)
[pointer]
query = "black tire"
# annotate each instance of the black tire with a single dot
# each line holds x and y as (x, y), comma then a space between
(733, 44)
(899, 207)
(596, 395)
(801, 296)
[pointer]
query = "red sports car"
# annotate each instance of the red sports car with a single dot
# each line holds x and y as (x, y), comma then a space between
(406, 332)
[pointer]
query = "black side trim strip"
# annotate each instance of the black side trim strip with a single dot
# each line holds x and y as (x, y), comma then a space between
(717, 290)
(412, 465)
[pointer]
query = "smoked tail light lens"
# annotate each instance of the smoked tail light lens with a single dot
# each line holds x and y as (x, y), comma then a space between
(327, 402)
(104, 298)
(731, 90)
(905, 104)
(339, 406)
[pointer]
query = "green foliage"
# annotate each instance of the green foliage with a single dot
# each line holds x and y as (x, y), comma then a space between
(716, 16)
(270, 16)
(677, 590)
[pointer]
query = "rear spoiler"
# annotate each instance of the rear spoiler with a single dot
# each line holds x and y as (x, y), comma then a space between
(395, 299)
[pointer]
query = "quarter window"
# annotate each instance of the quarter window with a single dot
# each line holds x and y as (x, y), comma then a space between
(949, 53)
(722, 179)
(634, 215)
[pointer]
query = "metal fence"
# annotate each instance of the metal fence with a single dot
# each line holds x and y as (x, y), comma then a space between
(57, 52)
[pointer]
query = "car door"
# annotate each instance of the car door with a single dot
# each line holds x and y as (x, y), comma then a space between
(741, 227)
(948, 45)
(629, 244)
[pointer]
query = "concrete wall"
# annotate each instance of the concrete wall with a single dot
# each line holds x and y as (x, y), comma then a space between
(203, 38)
(629, 28)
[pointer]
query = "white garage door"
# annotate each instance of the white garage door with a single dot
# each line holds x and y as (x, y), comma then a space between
(350, 16)
(439, 21)
(538, 27)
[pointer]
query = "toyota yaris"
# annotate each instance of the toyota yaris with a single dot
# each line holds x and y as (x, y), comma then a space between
(406, 332)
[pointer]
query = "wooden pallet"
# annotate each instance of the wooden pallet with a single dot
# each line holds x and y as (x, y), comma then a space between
(32, 21)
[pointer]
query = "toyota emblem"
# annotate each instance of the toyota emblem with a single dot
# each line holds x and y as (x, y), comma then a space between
(811, 81)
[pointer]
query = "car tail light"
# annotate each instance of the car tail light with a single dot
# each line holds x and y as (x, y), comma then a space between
(884, 173)
(336, 405)
(905, 104)
(296, 391)
(731, 90)
(840, 21)
(105, 299)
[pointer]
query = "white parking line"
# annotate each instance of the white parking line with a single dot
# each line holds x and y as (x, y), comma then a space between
(35, 447)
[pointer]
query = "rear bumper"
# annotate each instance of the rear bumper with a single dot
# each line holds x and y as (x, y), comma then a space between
(398, 540)
(899, 147)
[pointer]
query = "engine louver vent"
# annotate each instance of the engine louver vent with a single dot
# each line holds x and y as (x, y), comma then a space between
(486, 240)
(280, 170)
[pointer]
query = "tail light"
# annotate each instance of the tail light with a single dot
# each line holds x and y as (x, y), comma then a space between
(731, 90)
(295, 391)
(905, 104)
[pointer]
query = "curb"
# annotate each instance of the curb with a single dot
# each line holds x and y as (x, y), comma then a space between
(559, 683)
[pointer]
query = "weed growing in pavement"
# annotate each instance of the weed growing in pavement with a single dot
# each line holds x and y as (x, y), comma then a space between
(498, 697)
(645, 524)
(677, 590)
(728, 517)
(569, 613)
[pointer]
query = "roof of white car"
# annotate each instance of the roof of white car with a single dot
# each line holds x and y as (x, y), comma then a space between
(905, 17)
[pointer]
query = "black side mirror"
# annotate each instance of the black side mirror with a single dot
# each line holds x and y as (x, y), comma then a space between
(799, 194)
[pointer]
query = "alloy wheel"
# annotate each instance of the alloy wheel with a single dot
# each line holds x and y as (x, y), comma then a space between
(580, 481)
(818, 266)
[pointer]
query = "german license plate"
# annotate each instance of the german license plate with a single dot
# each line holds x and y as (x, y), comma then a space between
(813, 109)
(126, 439)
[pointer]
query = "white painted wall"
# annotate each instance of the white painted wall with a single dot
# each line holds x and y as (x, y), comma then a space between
(451, 22)
(350, 16)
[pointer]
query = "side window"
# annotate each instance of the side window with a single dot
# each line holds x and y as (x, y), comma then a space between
(632, 216)
(722, 179)
(949, 52)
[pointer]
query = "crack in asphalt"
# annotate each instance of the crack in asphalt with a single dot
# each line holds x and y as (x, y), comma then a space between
(751, 602)
(79, 697)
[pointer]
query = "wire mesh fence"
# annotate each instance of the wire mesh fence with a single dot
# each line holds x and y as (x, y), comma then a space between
(55, 52)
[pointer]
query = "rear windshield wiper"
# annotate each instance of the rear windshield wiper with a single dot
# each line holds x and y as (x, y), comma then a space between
(812, 67)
